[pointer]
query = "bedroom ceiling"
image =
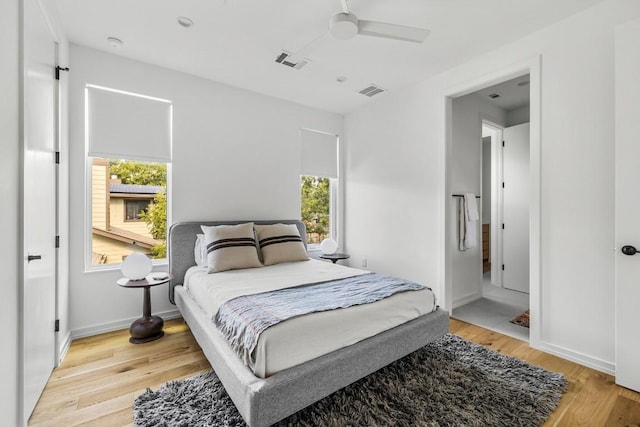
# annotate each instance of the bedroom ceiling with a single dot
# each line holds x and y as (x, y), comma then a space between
(237, 41)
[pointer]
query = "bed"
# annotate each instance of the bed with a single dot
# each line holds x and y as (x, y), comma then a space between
(268, 390)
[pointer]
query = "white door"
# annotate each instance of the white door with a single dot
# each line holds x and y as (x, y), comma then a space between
(627, 108)
(515, 208)
(39, 205)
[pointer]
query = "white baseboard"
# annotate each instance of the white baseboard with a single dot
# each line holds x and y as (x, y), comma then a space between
(466, 300)
(116, 326)
(62, 352)
(580, 358)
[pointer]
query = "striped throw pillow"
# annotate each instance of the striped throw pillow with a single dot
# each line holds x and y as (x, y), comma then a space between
(230, 247)
(280, 243)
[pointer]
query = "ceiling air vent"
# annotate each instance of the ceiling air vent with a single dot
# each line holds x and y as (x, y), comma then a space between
(371, 90)
(282, 59)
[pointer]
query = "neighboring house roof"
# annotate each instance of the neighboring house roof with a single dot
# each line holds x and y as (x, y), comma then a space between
(135, 188)
(127, 237)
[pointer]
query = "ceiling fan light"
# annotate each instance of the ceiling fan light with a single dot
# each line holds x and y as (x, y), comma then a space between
(343, 26)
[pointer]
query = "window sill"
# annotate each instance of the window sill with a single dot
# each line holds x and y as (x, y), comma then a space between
(158, 265)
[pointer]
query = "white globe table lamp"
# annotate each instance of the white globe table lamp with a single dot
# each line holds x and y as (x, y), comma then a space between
(328, 246)
(136, 266)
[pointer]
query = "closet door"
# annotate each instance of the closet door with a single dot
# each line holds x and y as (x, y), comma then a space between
(39, 198)
(515, 208)
(627, 66)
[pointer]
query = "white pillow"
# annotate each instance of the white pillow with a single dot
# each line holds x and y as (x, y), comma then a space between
(200, 251)
(230, 247)
(280, 243)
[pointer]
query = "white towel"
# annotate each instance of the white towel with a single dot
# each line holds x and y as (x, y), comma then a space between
(461, 223)
(472, 206)
(471, 221)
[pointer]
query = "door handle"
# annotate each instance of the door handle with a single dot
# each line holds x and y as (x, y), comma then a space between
(33, 257)
(629, 250)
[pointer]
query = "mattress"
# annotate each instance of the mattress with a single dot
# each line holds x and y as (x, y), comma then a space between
(304, 338)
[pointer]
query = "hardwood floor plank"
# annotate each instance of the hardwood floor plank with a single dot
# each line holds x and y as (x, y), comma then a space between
(625, 413)
(131, 383)
(593, 402)
(120, 418)
(102, 375)
(88, 414)
(630, 394)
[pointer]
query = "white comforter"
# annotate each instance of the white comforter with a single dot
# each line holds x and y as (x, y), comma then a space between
(303, 338)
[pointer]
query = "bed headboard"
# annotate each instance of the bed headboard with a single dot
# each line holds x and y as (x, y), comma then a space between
(182, 239)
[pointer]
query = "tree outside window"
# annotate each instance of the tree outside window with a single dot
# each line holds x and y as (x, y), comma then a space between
(316, 207)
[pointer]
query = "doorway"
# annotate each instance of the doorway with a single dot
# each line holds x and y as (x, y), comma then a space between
(490, 132)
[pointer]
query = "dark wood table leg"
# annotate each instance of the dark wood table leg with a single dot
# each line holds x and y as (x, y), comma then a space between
(148, 327)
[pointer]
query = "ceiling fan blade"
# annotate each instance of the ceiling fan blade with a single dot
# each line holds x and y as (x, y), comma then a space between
(392, 31)
(308, 48)
(339, 6)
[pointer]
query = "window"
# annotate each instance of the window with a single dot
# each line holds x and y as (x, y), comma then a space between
(316, 208)
(134, 210)
(128, 139)
(319, 186)
(128, 209)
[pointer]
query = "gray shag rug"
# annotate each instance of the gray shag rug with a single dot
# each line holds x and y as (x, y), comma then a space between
(450, 382)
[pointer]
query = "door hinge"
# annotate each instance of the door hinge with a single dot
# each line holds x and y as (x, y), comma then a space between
(57, 157)
(57, 325)
(503, 185)
(58, 69)
(503, 143)
(503, 225)
(57, 242)
(502, 267)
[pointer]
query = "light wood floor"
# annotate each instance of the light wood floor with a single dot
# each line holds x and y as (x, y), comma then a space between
(100, 377)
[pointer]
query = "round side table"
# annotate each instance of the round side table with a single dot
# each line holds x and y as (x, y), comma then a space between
(147, 328)
(335, 257)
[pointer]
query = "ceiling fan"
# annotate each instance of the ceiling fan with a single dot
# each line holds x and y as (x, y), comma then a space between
(345, 25)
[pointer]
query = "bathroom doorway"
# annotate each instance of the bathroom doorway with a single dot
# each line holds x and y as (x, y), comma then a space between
(490, 158)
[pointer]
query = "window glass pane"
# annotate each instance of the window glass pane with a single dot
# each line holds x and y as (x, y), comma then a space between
(128, 209)
(136, 209)
(316, 207)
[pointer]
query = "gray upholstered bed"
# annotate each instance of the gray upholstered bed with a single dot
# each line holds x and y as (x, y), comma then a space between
(264, 401)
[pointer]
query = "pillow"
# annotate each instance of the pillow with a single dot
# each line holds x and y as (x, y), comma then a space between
(230, 247)
(200, 251)
(280, 243)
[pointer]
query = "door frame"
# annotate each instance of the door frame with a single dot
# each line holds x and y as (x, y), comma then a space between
(531, 66)
(496, 201)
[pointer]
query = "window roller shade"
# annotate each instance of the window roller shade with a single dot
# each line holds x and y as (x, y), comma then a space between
(319, 154)
(126, 125)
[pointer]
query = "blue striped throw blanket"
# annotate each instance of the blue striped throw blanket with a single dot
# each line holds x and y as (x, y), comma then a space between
(242, 319)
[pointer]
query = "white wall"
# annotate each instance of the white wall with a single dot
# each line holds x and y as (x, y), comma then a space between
(395, 175)
(465, 177)
(236, 155)
(10, 213)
